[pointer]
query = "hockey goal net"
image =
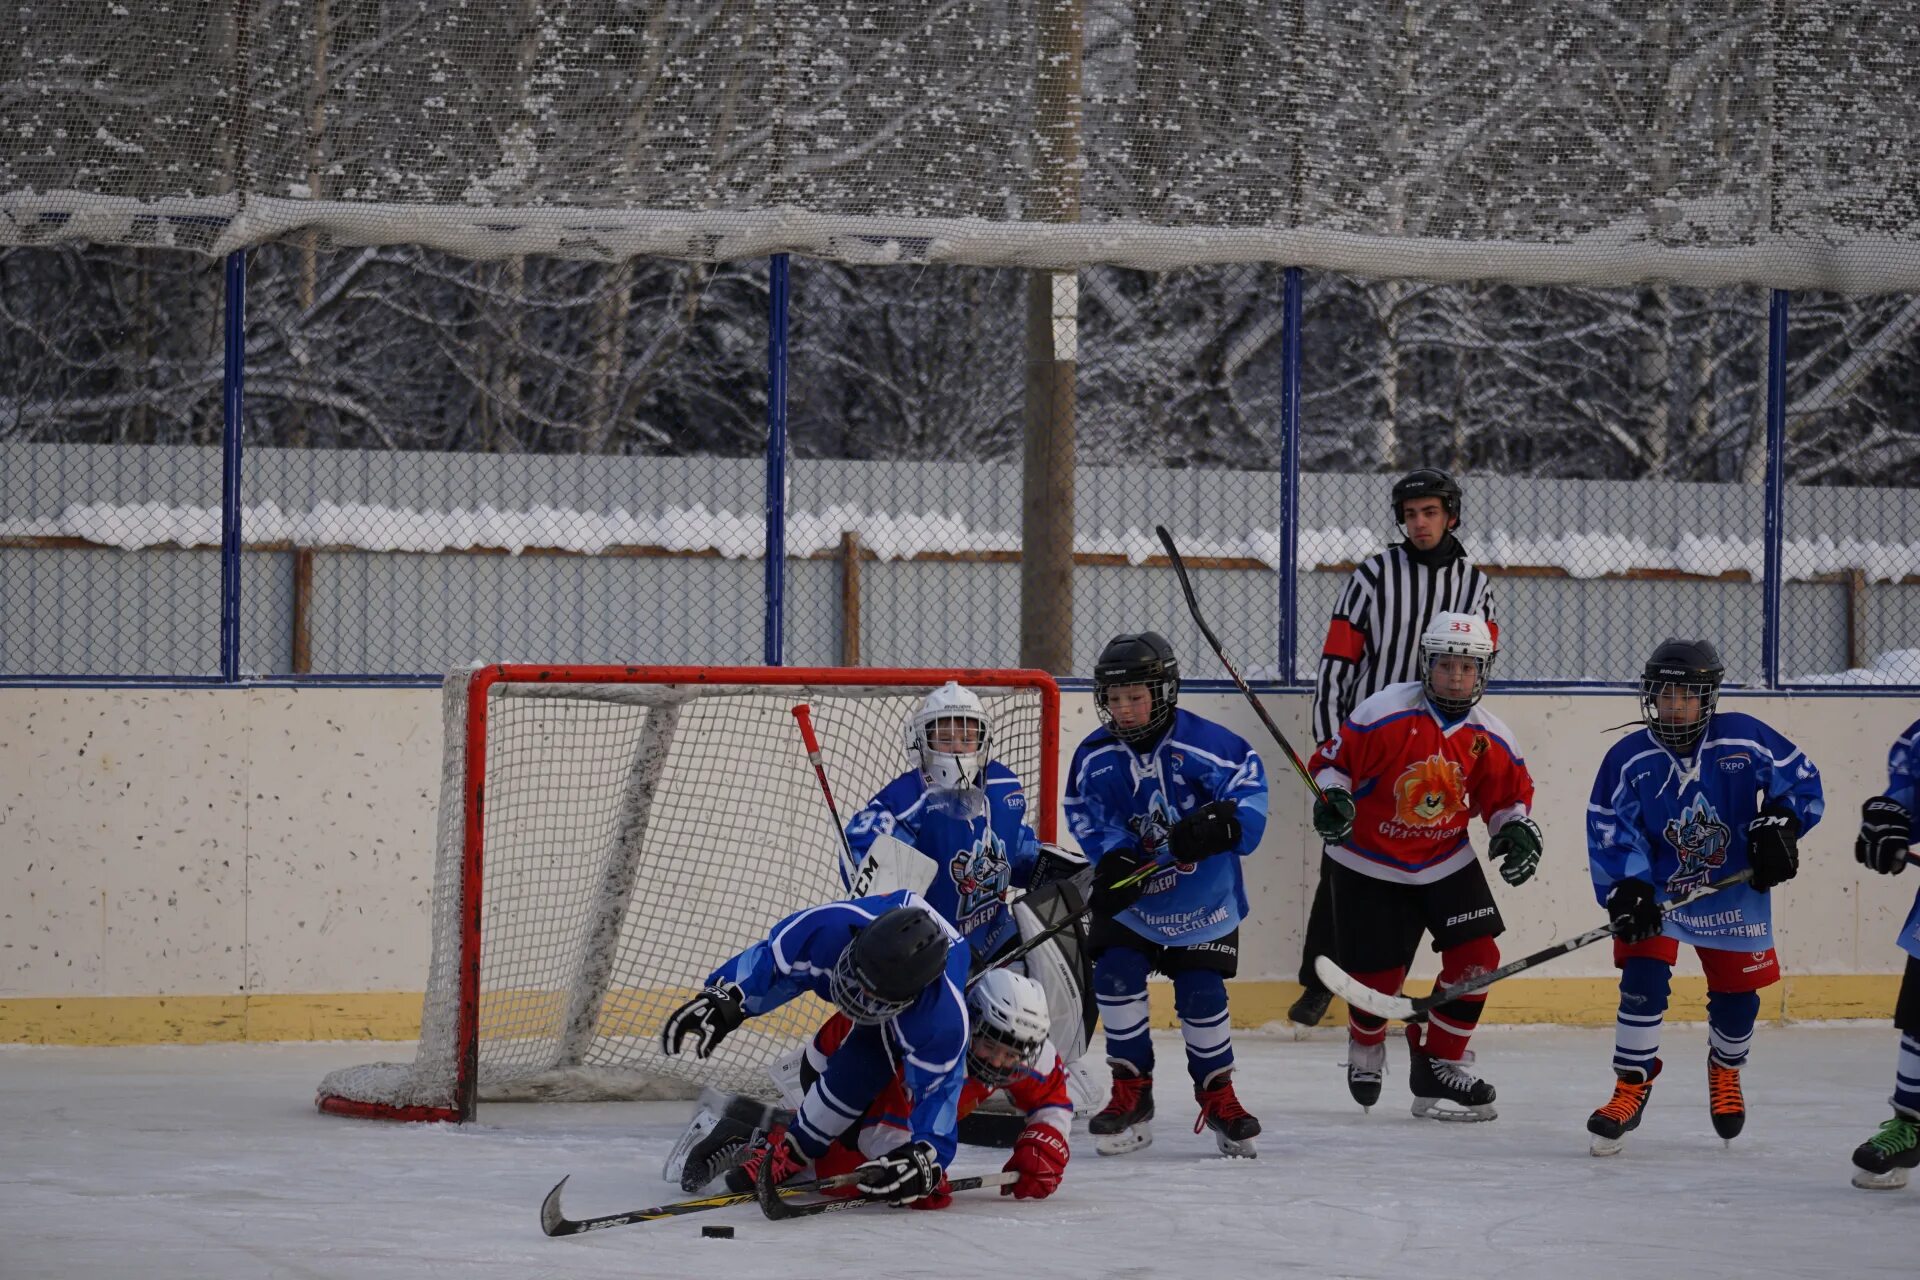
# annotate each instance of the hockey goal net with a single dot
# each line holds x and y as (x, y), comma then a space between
(607, 835)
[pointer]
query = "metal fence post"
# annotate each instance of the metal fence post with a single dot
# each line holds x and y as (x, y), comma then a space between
(232, 402)
(1289, 474)
(776, 457)
(1776, 486)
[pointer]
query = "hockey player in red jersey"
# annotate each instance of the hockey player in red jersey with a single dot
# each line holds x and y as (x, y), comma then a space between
(1401, 777)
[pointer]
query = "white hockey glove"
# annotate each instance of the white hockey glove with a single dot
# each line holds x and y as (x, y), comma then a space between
(711, 1015)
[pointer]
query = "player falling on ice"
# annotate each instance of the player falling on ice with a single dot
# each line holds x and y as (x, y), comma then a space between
(1401, 778)
(1695, 795)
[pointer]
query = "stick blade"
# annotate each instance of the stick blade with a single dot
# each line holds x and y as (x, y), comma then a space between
(1358, 995)
(552, 1221)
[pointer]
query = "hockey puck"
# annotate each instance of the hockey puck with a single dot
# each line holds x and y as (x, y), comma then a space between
(716, 1233)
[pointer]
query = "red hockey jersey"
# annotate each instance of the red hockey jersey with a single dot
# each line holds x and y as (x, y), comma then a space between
(1415, 782)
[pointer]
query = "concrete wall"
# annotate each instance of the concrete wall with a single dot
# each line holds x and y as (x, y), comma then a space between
(215, 864)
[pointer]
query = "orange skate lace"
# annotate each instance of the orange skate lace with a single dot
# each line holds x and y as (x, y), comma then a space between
(1628, 1097)
(1723, 1090)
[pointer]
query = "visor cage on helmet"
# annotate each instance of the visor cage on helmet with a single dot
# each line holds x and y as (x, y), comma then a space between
(1146, 660)
(1681, 726)
(853, 994)
(1458, 636)
(1008, 1012)
(952, 749)
(1019, 1056)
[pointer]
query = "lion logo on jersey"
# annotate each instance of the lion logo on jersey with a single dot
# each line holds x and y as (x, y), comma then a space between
(1430, 792)
(1700, 839)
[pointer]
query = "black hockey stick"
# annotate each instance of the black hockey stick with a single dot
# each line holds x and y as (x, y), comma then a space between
(1379, 1003)
(556, 1223)
(1193, 607)
(773, 1200)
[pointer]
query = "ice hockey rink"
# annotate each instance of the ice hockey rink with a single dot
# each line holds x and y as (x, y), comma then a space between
(211, 1162)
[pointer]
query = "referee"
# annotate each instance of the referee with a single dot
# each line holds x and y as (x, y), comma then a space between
(1374, 641)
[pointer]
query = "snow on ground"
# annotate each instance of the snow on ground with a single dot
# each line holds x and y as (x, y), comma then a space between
(210, 1162)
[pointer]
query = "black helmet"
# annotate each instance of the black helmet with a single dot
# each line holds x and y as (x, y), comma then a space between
(888, 964)
(1427, 483)
(1145, 659)
(1689, 666)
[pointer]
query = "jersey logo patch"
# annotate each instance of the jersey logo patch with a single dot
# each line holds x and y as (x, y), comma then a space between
(1430, 792)
(1700, 839)
(1478, 747)
(980, 874)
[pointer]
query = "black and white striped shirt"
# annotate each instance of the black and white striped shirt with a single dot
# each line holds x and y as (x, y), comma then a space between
(1374, 638)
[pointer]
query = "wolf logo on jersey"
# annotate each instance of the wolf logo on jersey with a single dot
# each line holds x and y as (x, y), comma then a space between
(981, 874)
(1430, 791)
(1700, 839)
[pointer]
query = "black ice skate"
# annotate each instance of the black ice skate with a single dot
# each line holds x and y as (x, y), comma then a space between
(1234, 1127)
(1366, 1068)
(1724, 1100)
(1611, 1123)
(1881, 1162)
(717, 1137)
(1447, 1090)
(1122, 1125)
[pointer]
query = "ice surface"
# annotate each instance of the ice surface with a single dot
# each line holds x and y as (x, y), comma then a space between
(210, 1162)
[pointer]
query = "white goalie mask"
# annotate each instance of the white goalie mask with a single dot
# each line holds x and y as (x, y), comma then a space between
(1455, 636)
(1008, 1011)
(949, 739)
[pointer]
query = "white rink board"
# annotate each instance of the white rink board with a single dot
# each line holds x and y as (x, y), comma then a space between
(209, 1163)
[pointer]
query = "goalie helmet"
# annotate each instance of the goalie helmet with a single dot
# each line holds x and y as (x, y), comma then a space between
(1010, 1024)
(1682, 670)
(950, 718)
(1427, 483)
(1459, 635)
(1143, 659)
(888, 964)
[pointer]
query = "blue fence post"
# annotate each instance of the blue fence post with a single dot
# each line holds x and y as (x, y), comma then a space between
(1289, 473)
(1776, 486)
(232, 401)
(776, 576)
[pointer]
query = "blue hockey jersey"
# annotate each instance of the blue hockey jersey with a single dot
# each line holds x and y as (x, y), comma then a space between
(1903, 786)
(929, 1037)
(1679, 824)
(982, 849)
(1120, 799)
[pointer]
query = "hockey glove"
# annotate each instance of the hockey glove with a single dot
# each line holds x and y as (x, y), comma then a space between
(1210, 829)
(1632, 911)
(1517, 846)
(1056, 862)
(907, 1172)
(1108, 899)
(1886, 829)
(1773, 847)
(1039, 1157)
(1333, 815)
(711, 1015)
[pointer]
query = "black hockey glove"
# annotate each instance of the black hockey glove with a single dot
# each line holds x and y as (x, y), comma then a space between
(1886, 829)
(907, 1172)
(1333, 815)
(1632, 911)
(1517, 848)
(711, 1015)
(1108, 899)
(1210, 829)
(1056, 862)
(1773, 847)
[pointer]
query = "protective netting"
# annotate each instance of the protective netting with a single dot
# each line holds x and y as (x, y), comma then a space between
(1714, 144)
(636, 835)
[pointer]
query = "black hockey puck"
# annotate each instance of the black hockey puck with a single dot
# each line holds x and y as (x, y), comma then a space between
(717, 1233)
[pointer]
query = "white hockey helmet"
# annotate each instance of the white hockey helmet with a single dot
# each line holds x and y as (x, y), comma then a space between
(949, 739)
(1008, 1011)
(1462, 635)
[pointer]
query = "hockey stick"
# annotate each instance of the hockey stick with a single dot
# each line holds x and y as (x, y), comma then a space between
(555, 1223)
(1193, 607)
(773, 1200)
(804, 714)
(1360, 996)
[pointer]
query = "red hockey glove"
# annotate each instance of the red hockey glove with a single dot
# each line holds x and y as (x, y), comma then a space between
(1039, 1157)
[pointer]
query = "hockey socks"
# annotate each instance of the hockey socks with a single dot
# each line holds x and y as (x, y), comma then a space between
(1449, 1025)
(1906, 1074)
(1200, 1001)
(1644, 987)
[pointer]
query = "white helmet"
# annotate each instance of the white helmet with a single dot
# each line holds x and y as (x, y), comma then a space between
(1464, 635)
(949, 709)
(1008, 1010)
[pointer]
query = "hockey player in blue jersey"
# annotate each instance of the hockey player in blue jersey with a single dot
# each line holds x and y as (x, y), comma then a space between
(1160, 787)
(1696, 795)
(899, 972)
(1883, 845)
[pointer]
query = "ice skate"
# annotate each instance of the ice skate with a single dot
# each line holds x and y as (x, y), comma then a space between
(1366, 1068)
(716, 1138)
(1724, 1100)
(1234, 1127)
(1121, 1126)
(1881, 1162)
(1447, 1090)
(788, 1163)
(1611, 1123)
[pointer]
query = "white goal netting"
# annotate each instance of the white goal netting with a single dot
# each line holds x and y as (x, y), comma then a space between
(632, 835)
